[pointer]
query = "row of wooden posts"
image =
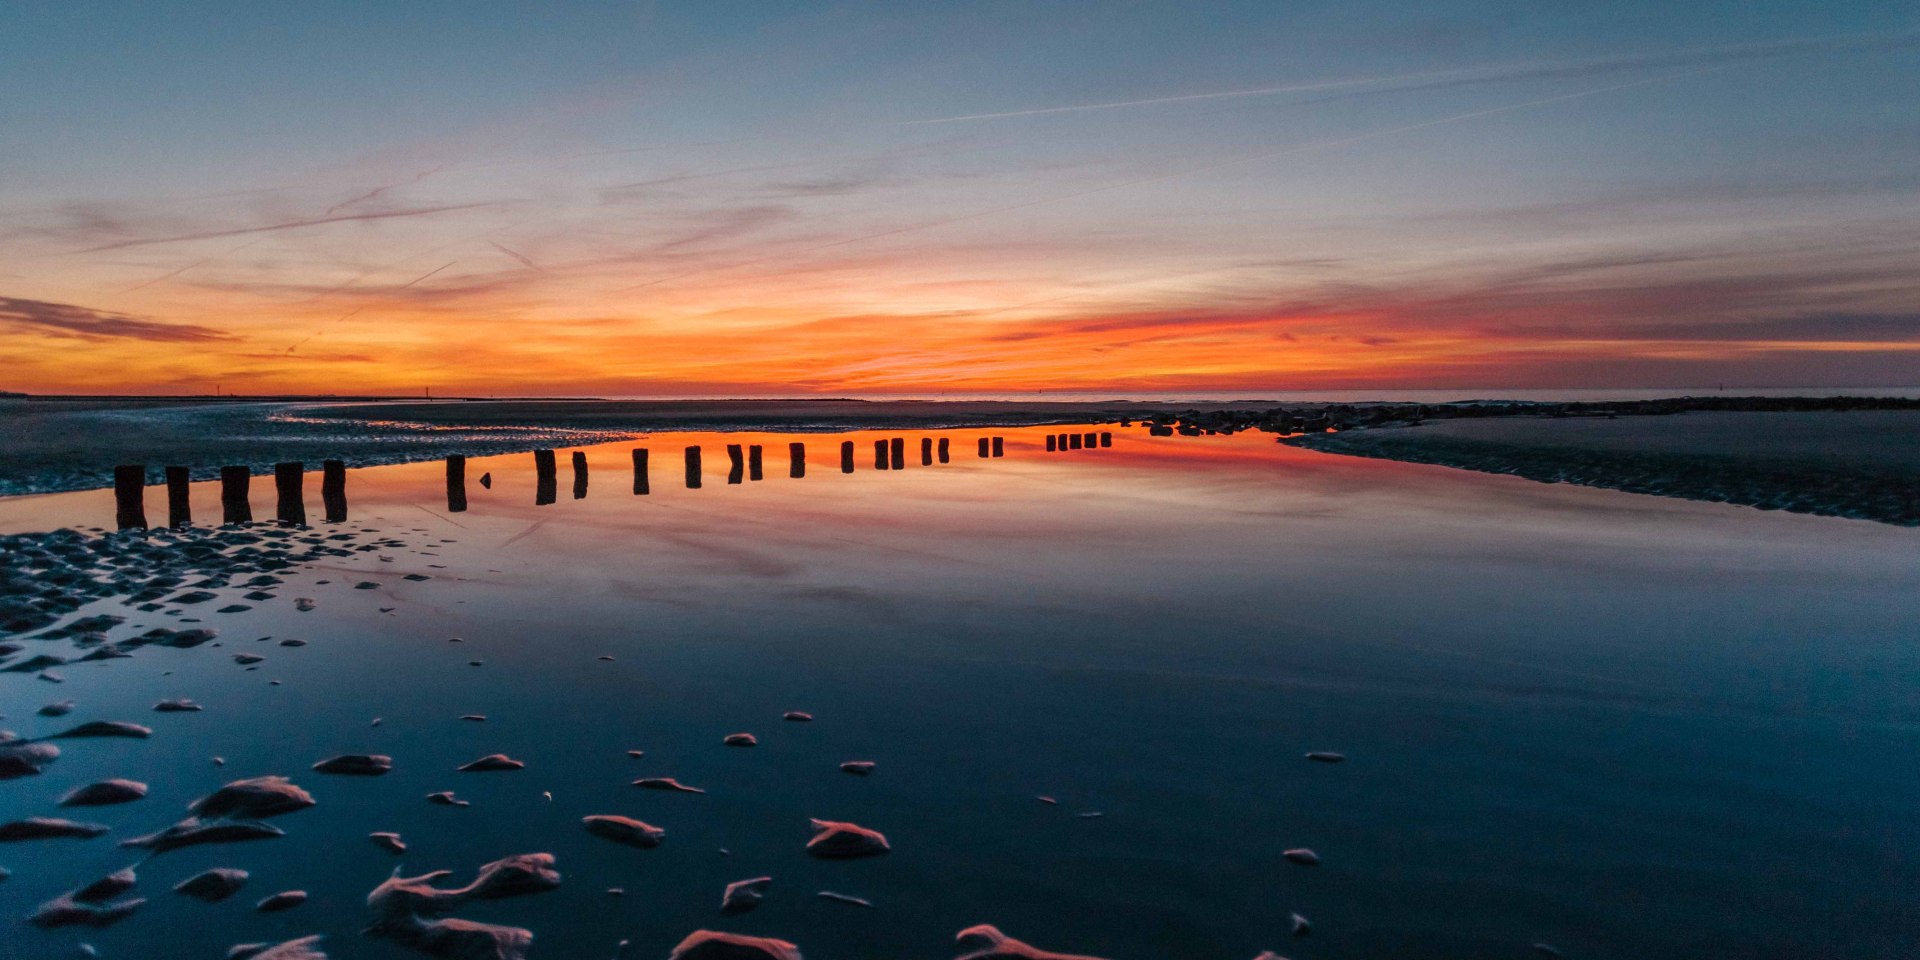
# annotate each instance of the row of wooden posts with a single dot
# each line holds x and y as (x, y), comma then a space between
(130, 480)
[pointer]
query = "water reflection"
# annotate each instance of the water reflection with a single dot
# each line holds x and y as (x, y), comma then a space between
(579, 475)
(640, 485)
(456, 484)
(179, 508)
(333, 490)
(234, 505)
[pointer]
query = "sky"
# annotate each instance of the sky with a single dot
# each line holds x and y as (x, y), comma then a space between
(976, 196)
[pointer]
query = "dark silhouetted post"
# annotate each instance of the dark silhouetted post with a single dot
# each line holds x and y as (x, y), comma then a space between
(898, 446)
(546, 488)
(130, 495)
(846, 456)
(234, 505)
(926, 451)
(333, 489)
(736, 466)
(579, 475)
(943, 449)
(1093, 440)
(999, 446)
(456, 484)
(1106, 439)
(640, 471)
(179, 509)
(1052, 442)
(287, 478)
(880, 455)
(797, 452)
(984, 447)
(543, 463)
(753, 462)
(1073, 441)
(693, 468)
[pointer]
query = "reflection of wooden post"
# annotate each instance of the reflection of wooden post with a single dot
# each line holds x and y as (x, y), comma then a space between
(456, 484)
(880, 458)
(333, 489)
(943, 449)
(179, 509)
(1106, 439)
(1052, 442)
(846, 456)
(130, 495)
(287, 478)
(999, 446)
(543, 464)
(984, 446)
(234, 505)
(753, 462)
(640, 470)
(693, 468)
(579, 475)
(736, 467)
(797, 452)
(926, 451)
(898, 446)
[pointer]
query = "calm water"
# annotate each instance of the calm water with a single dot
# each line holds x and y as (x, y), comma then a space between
(1625, 726)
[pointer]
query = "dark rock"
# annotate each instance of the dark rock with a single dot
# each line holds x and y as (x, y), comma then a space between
(388, 841)
(633, 833)
(284, 900)
(1302, 856)
(305, 948)
(58, 708)
(837, 840)
(255, 798)
(858, 768)
(665, 783)
(844, 898)
(213, 885)
(107, 887)
(712, 945)
(1325, 756)
(446, 798)
(492, 761)
(797, 716)
(181, 705)
(103, 793)
(47, 828)
(739, 740)
(192, 831)
(356, 764)
(986, 942)
(744, 895)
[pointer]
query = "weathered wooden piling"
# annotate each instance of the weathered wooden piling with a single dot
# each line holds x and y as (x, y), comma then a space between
(456, 484)
(333, 489)
(846, 456)
(640, 484)
(943, 449)
(985, 446)
(693, 468)
(543, 464)
(898, 452)
(179, 508)
(880, 457)
(130, 495)
(926, 451)
(579, 475)
(1093, 440)
(234, 505)
(287, 480)
(736, 464)
(546, 490)
(1052, 442)
(1106, 439)
(1073, 441)
(999, 446)
(797, 453)
(754, 462)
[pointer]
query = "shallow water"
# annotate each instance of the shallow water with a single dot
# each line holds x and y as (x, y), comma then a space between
(1624, 726)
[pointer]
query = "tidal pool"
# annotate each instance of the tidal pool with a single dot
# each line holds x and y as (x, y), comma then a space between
(1621, 726)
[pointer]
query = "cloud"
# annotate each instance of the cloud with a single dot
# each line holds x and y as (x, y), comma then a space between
(68, 320)
(289, 225)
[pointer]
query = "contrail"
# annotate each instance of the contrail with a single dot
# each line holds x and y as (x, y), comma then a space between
(290, 225)
(376, 191)
(429, 273)
(197, 263)
(1484, 74)
(1159, 178)
(529, 264)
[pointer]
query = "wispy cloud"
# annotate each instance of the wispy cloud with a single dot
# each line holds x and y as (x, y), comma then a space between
(69, 320)
(291, 225)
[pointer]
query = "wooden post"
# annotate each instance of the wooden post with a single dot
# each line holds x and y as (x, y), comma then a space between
(287, 479)
(846, 456)
(693, 468)
(333, 489)
(640, 485)
(546, 487)
(736, 467)
(1073, 441)
(1052, 442)
(1093, 440)
(456, 484)
(130, 495)
(234, 505)
(754, 462)
(579, 475)
(943, 449)
(880, 458)
(179, 509)
(926, 451)
(984, 447)
(999, 446)
(898, 446)
(1106, 438)
(797, 452)
(543, 463)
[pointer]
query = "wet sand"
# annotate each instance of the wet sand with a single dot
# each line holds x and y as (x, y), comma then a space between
(1861, 464)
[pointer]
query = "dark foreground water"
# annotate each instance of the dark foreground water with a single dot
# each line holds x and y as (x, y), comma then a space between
(1623, 726)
